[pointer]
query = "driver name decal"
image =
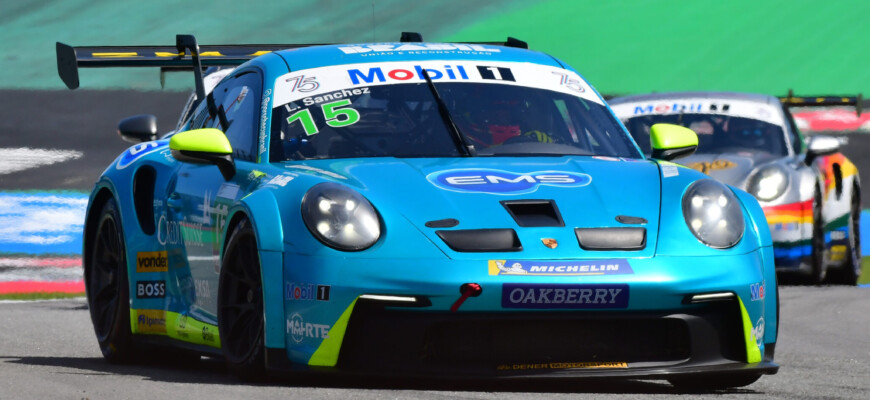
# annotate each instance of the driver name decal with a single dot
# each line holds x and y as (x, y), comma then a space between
(504, 182)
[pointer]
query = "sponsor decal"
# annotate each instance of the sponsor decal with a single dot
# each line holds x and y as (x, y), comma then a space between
(570, 83)
(504, 182)
(302, 83)
(707, 166)
(150, 321)
(228, 191)
(758, 332)
(564, 296)
(306, 291)
(309, 101)
(561, 365)
(168, 231)
(560, 268)
(202, 288)
(379, 75)
(264, 117)
(838, 235)
(207, 334)
(670, 170)
(299, 330)
(756, 291)
(280, 180)
(496, 73)
(139, 150)
(150, 289)
(785, 226)
(417, 48)
(152, 261)
(666, 108)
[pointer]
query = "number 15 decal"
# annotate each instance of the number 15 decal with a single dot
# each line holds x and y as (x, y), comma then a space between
(335, 116)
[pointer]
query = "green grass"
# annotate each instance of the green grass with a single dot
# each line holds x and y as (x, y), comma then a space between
(39, 296)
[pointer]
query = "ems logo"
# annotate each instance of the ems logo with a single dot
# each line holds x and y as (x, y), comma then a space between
(504, 182)
(564, 296)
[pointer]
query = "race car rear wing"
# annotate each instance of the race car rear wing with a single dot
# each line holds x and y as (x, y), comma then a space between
(824, 101)
(185, 54)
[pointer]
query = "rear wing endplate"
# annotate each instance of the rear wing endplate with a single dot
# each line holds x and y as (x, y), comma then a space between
(824, 101)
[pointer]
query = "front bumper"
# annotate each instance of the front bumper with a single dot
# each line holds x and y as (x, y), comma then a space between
(660, 333)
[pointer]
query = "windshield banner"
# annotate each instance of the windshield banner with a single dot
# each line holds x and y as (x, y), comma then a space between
(339, 81)
(769, 113)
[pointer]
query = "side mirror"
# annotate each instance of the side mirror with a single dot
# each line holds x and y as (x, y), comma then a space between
(138, 128)
(204, 146)
(670, 142)
(821, 145)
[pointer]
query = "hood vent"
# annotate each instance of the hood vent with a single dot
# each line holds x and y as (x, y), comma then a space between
(611, 238)
(534, 213)
(481, 240)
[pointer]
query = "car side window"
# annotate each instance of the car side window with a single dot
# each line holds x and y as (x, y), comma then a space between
(237, 98)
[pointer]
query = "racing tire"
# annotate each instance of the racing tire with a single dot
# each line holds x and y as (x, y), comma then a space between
(713, 383)
(818, 267)
(240, 305)
(107, 289)
(851, 269)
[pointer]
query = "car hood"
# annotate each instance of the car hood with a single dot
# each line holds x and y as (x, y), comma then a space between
(730, 168)
(587, 193)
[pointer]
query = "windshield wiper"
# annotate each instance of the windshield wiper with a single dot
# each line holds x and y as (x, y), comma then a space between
(465, 148)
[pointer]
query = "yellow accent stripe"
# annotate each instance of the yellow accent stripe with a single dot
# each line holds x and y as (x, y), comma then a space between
(327, 354)
(177, 326)
(261, 52)
(167, 54)
(753, 353)
(115, 55)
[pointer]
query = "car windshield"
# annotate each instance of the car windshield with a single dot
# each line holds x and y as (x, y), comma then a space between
(716, 133)
(403, 120)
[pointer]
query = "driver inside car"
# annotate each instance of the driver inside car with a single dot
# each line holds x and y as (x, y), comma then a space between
(500, 122)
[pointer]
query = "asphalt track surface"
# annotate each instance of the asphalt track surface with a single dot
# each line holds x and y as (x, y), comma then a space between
(48, 351)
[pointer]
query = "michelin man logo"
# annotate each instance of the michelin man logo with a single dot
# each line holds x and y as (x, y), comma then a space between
(515, 268)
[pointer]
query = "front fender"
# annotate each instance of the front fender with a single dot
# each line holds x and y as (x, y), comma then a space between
(261, 209)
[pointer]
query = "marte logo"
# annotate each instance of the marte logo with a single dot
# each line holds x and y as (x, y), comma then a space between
(504, 182)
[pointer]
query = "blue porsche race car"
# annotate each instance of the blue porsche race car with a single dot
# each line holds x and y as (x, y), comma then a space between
(413, 208)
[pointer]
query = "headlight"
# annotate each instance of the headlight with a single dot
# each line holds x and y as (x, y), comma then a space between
(768, 183)
(340, 217)
(713, 214)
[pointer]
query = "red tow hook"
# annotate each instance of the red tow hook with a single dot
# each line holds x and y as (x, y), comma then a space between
(467, 290)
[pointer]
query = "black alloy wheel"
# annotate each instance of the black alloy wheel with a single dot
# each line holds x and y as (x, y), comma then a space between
(851, 269)
(107, 288)
(240, 305)
(819, 269)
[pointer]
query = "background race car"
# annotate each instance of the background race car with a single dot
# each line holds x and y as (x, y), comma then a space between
(810, 192)
(444, 209)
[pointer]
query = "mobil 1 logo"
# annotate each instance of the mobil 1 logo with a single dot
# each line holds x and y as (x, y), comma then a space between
(150, 289)
(496, 73)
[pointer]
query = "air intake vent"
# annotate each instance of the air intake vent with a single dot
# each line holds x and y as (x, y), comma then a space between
(481, 240)
(611, 238)
(534, 213)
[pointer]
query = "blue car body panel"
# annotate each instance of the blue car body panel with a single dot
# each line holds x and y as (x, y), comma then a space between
(311, 290)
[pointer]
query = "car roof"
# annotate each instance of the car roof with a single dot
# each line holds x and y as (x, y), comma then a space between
(325, 55)
(753, 97)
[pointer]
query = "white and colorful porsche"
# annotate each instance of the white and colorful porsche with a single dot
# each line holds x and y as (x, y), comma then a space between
(436, 209)
(810, 192)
